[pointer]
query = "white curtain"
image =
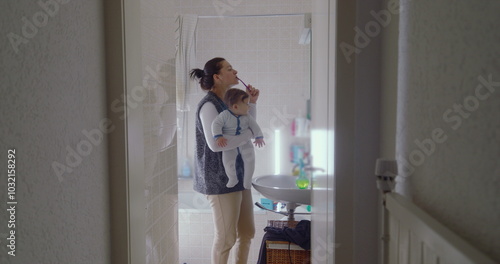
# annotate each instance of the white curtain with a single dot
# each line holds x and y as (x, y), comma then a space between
(184, 62)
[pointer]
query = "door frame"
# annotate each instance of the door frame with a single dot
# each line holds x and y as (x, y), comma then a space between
(345, 105)
(125, 142)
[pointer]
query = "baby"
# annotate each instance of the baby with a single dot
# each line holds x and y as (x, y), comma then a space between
(234, 121)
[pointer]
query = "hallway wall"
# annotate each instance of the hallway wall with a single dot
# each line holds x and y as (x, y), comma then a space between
(448, 132)
(53, 113)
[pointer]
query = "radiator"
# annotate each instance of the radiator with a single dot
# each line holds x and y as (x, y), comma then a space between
(413, 237)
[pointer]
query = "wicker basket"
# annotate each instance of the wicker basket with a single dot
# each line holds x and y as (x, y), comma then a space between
(282, 252)
(281, 224)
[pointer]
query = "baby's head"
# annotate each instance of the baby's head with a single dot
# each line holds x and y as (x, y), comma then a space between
(237, 101)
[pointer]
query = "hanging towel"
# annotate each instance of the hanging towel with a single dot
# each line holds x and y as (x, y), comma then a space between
(184, 62)
(185, 55)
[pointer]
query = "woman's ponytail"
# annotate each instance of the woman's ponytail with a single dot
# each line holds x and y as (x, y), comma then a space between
(196, 73)
(206, 76)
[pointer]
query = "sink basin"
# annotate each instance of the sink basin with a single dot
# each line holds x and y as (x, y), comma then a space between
(281, 188)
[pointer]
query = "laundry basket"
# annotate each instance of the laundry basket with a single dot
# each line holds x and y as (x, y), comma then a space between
(281, 223)
(282, 252)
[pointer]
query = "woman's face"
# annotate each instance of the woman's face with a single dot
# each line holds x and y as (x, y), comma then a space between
(227, 75)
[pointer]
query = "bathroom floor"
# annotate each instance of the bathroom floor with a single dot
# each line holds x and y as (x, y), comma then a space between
(196, 236)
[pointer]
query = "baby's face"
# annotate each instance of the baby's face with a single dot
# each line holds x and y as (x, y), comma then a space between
(242, 107)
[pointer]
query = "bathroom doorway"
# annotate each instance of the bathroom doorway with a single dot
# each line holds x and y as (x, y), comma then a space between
(273, 53)
(157, 192)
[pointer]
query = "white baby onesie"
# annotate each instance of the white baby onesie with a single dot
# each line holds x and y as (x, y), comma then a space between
(227, 123)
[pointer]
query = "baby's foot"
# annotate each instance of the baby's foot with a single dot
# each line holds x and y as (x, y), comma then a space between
(231, 183)
(247, 185)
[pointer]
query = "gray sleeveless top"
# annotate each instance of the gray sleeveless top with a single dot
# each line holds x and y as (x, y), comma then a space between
(209, 174)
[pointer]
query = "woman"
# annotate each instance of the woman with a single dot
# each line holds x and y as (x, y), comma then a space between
(232, 207)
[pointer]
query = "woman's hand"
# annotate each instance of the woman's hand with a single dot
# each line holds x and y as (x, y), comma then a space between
(254, 94)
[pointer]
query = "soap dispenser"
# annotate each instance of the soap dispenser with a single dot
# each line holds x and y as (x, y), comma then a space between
(302, 181)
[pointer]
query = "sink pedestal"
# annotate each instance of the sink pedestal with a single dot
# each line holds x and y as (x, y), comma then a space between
(290, 208)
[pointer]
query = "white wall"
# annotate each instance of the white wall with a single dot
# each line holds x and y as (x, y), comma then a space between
(53, 90)
(159, 126)
(267, 55)
(448, 129)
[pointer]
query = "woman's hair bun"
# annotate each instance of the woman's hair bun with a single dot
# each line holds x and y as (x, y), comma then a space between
(198, 73)
(205, 76)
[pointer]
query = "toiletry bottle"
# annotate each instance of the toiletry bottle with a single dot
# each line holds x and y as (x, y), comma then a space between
(302, 181)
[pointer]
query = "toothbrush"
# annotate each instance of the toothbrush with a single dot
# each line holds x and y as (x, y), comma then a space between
(246, 86)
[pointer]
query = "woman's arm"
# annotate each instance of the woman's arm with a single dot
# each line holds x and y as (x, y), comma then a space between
(254, 96)
(253, 110)
(257, 132)
(208, 113)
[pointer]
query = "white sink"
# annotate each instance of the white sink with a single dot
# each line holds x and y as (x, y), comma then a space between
(281, 188)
